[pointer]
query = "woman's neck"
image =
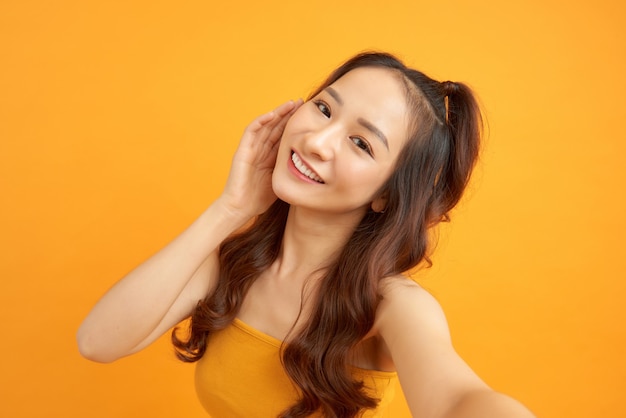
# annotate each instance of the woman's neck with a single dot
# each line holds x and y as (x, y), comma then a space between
(312, 240)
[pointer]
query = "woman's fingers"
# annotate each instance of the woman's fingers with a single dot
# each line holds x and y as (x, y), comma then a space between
(263, 134)
(269, 117)
(279, 126)
(260, 122)
(285, 108)
(249, 182)
(265, 123)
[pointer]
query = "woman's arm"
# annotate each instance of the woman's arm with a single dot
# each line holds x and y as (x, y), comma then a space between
(158, 293)
(437, 383)
(165, 289)
(488, 404)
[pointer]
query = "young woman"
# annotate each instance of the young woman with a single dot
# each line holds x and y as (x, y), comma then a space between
(293, 277)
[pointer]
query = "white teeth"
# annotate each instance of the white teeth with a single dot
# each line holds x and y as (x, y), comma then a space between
(304, 169)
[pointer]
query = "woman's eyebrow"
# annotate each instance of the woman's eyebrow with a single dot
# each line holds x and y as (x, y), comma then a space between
(377, 132)
(335, 95)
(368, 125)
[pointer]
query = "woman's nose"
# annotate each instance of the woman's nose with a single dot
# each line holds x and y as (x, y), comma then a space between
(324, 143)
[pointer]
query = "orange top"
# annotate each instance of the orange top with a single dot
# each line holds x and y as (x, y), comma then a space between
(240, 375)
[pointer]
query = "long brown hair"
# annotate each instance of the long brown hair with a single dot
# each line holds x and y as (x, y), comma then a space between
(429, 178)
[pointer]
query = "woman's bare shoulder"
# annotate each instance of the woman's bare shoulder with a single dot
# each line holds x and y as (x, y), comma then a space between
(403, 300)
(435, 380)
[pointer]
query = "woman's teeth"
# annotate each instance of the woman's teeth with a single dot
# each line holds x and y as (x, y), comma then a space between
(303, 168)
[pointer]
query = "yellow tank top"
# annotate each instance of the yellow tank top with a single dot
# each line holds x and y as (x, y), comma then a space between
(240, 375)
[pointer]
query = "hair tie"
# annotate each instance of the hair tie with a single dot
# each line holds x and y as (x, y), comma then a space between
(449, 88)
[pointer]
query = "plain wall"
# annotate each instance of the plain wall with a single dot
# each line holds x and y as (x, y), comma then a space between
(118, 121)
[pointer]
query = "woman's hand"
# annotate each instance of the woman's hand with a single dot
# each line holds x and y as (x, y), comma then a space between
(248, 191)
(166, 288)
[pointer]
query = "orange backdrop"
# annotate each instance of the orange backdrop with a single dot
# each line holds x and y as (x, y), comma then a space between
(118, 121)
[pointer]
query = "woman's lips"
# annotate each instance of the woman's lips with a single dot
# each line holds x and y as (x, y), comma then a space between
(303, 169)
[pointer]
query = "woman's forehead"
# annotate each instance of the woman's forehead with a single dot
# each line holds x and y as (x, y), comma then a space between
(377, 95)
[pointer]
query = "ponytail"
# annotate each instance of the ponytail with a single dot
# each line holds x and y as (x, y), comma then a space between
(464, 125)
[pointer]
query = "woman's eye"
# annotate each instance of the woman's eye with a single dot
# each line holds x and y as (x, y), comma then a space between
(361, 143)
(323, 107)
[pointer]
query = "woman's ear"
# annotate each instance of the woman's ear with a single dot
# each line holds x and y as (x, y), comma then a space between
(380, 203)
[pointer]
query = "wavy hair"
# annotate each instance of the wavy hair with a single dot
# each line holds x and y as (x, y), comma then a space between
(429, 178)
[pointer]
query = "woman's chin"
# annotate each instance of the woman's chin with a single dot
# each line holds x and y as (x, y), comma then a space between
(280, 190)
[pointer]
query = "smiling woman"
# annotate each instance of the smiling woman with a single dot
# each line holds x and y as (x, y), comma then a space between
(293, 278)
(338, 136)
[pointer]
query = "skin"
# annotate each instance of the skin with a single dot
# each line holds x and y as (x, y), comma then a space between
(353, 163)
(330, 137)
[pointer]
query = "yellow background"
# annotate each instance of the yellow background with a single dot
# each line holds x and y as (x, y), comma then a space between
(118, 121)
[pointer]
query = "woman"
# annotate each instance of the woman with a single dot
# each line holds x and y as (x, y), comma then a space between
(298, 265)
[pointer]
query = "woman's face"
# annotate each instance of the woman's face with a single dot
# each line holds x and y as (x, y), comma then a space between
(340, 147)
